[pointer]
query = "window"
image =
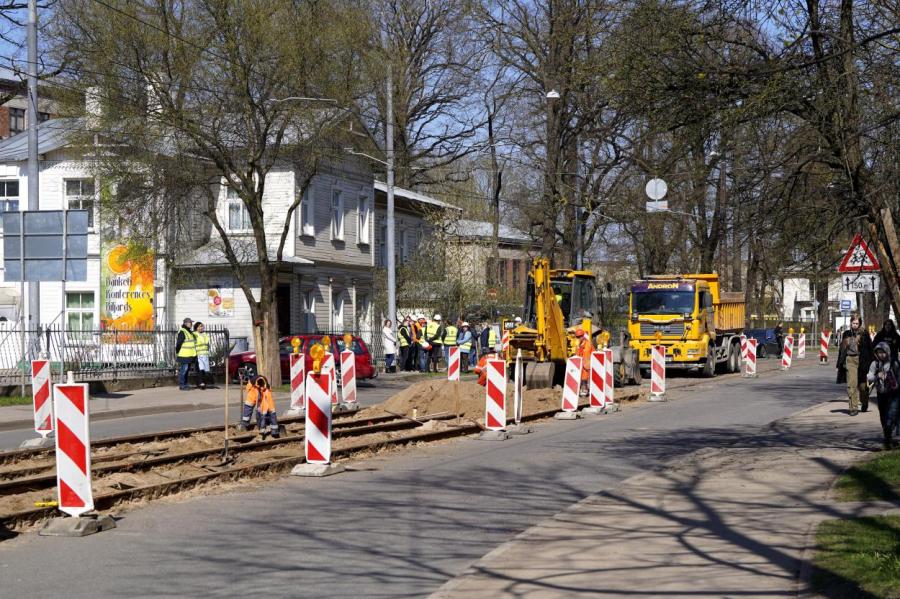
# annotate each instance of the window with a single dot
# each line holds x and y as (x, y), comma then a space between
(80, 311)
(362, 311)
(309, 311)
(365, 215)
(238, 216)
(337, 310)
(80, 196)
(337, 215)
(9, 196)
(382, 244)
(307, 214)
(516, 274)
(16, 120)
(404, 246)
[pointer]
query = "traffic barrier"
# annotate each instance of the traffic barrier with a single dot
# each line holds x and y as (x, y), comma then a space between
(610, 379)
(598, 379)
(658, 373)
(348, 376)
(495, 396)
(73, 448)
(801, 346)
(743, 347)
(504, 343)
(318, 417)
(328, 366)
(453, 365)
(572, 384)
(750, 362)
(40, 395)
(823, 347)
(787, 352)
(298, 382)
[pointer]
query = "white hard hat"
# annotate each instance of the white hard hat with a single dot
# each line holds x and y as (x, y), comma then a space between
(518, 319)
(465, 324)
(437, 317)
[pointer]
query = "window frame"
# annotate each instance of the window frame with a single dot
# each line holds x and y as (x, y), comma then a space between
(307, 226)
(81, 197)
(5, 199)
(364, 221)
(244, 212)
(337, 318)
(19, 114)
(337, 215)
(81, 312)
(308, 297)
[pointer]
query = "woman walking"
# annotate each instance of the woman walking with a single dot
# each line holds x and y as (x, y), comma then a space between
(854, 359)
(884, 376)
(390, 346)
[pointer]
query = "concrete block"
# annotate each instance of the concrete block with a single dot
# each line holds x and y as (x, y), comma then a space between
(343, 408)
(590, 411)
(316, 469)
(611, 408)
(657, 397)
(493, 436)
(294, 413)
(39, 443)
(566, 416)
(82, 526)
(519, 429)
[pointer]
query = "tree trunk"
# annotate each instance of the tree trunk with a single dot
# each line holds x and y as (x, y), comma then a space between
(265, 329)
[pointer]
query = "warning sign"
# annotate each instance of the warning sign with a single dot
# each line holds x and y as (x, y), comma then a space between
(859, 258)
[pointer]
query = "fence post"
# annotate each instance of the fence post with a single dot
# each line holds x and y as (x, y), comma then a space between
(115, 354)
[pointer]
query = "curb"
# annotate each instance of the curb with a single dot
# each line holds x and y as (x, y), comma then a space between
(115, 414)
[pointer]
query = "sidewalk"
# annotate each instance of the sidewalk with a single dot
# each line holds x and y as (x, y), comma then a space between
(718, 523)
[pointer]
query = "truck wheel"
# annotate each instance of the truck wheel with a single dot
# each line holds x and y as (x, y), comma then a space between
(735, 358)
(637, 379)
(709, 369)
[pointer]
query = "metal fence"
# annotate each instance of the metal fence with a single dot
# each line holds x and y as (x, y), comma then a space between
(97, 355)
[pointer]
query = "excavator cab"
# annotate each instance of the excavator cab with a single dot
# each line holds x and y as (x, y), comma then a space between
(575, 293)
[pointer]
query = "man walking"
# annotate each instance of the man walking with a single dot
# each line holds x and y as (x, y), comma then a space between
(185, 353)
(854, 358)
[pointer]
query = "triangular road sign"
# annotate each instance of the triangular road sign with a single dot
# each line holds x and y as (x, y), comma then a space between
(859, 258)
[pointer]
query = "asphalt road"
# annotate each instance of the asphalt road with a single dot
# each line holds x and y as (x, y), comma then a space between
(398, 525)
(369, 393)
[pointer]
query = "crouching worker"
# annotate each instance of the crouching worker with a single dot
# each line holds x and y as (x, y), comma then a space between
(481, 369)
(259, 396)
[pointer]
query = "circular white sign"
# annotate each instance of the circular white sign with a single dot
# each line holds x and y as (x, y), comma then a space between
(656, 189)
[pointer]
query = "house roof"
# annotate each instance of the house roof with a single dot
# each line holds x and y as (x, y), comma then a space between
(474, 229)
(212, 254)
(413, 196)
(52, 135)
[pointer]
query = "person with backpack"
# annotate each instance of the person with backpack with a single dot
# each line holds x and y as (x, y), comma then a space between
(884, 377)
(889, 335)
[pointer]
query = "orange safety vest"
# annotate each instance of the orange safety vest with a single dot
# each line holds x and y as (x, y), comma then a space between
(481, 369)
(584, 350)
(266, 402)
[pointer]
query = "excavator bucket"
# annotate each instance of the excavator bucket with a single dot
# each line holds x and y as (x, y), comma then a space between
(539, 375)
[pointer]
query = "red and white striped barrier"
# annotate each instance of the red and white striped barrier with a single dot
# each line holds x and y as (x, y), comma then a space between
(743, 347)
(610, 380)
(823, 347)
(298, 382)
(495, 396)
(750, 362)
(73, 448)
(328, 367)
(658, 373)
(598, 379)
(504, 343)
(40, 394)
(348, 376)
(318, 417)
(572, 384)
(787, 352)
(453, 365)
(801, 347)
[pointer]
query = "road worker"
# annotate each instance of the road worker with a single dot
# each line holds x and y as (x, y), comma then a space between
(450, 339)
(434, 332)
(201, 345)
(405, 340)
(488, 338)
(481, 369)
(584, 352)
(259, 397)
(424, 347)
(465, 341)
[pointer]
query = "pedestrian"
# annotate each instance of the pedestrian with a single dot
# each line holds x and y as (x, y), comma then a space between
(888, 334)
(779, 338)
(584, 351)
(259, 397)
(884, 377)
(465, 345)
(201, 344)
(390, 345)
(185, 353)
(404, 337)
(854, 358)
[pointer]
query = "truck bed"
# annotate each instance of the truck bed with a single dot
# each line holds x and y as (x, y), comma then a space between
(730, 313)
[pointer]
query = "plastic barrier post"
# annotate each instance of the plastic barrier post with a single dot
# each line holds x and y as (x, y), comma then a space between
(572, 384)
(40, 394)
(73, 448)
(598, 379)
(495, 396)
(298, 382)
(750, 362)
(348, 376)
(787, 352)
(801, 346)
(609, 387)
(658, 373)
(823, 347)
(318, 417)
(453, 365)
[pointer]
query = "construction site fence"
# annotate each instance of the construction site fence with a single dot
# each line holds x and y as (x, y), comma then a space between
(98, 355)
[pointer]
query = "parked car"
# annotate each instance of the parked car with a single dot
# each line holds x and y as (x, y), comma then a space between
(767, 344)
(243, 365)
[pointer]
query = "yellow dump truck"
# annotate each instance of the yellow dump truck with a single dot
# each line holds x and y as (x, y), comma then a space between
(699, 326)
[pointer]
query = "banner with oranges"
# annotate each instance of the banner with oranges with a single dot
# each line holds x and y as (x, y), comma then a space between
(126, 287)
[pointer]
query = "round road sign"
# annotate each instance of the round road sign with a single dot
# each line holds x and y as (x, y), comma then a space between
(656, 189)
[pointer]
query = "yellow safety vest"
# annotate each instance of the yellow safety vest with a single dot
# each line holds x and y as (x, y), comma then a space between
(188, 347)
(467, 346)
(201, 343)
(492, 338)
(402, 340)
(431, 331)
(450, 335)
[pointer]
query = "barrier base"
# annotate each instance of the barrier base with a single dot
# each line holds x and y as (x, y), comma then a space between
(518, 429)
(493, 436)
(294, 413)
(750, 376)
(593, 411)
(316, 470)
(657, 397)
(566, 415)
(611, 408)
(343, 407)
(82, 526)
(39, 443)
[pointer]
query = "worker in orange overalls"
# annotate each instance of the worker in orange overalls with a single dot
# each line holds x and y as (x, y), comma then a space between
(259, 396)
(481, 369)
(584, 350)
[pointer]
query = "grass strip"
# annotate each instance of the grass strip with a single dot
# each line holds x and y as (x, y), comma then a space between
(15, 400)
(858, 558)
(877, 479)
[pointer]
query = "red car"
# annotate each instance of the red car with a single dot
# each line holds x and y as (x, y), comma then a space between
(244, 363)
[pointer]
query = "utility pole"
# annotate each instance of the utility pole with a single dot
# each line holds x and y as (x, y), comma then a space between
(389, 242)
(34, 301)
